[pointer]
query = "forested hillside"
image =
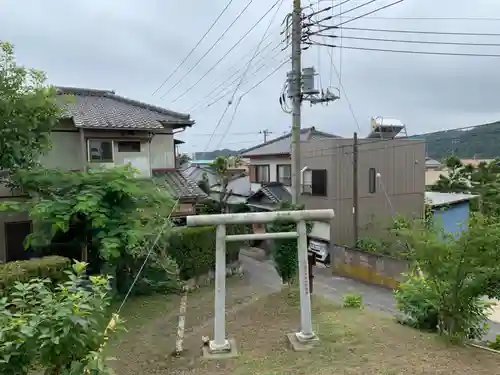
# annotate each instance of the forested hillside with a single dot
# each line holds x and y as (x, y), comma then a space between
(483, 142)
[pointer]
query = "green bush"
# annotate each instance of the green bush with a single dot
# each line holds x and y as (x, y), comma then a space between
(194, 250)
(352, 301)
(419, 302)
(495, 344)
(51, 267)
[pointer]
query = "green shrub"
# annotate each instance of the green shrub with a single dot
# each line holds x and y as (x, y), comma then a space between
(418, 301)
(284, 251)
(194, 250)
(495, 344)
(352, 301)
(51, 267)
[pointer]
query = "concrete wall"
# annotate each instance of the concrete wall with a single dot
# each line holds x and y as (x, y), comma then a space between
(401, 164)
(453, 219)
(367, 267)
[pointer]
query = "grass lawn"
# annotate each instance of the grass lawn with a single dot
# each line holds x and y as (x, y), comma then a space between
(352, 341)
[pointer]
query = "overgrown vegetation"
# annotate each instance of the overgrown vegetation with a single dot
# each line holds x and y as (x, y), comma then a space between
(110, 213)
(51, 267)
(57, 330)
(284, 251)
(457, 273)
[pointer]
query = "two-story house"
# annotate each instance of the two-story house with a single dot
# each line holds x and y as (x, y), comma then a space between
(271, 161)
(100, 127)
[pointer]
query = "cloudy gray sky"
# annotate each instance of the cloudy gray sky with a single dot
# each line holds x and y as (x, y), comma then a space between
(132, 47)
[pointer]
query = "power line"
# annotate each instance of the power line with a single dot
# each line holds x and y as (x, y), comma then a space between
(346, 11)
(210, 49)
(244, 57)
(248, 65)
(220, 94)
(228, 52)
(225, 93)
(434, 18)
(355, 18)
(415, 31)
(413, 41)
(406, 51)
(194, 48)
(244, 94)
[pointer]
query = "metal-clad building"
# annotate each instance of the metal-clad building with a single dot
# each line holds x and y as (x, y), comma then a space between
(391, 179)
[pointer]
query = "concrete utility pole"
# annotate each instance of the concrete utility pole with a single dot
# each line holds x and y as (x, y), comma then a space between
(355, 193)
(296, 98)
(265, 132)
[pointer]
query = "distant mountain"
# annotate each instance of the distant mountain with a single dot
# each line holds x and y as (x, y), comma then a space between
(482, 142)
(211, 155)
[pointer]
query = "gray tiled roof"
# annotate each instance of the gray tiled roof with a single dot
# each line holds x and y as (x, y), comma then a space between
(178, 185)
(274, 192)
(103, 109)
(282, 145)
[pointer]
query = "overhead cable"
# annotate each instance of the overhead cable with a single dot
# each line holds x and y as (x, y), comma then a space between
(194, 48)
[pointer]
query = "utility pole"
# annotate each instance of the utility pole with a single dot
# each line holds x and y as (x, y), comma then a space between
(265, 132)
(355, 211)
(296, 97)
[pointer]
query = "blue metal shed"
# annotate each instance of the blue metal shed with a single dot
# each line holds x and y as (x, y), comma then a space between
(451, 210)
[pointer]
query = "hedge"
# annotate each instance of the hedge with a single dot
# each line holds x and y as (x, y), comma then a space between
(194, 250)
(51, 267)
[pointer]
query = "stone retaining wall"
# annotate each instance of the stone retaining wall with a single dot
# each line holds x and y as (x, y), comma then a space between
(368, 267)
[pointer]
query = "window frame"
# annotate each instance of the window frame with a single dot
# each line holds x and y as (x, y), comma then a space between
(89, 159)
(278, 177)
(372, 180)
(129, 143)
(320, 193)
(257, 176)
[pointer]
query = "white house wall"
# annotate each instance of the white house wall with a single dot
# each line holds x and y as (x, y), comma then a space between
(65, 152)
(162, 151)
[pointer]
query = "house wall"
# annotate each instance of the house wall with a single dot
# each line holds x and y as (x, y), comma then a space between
(401, 164)
(65, 152)
(453, 219)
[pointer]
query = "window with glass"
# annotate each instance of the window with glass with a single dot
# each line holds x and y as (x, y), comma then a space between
(100, 150)
(262, 173)
(284, 174)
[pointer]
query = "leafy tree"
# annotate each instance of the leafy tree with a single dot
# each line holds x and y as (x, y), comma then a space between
(458, 179)
(28, 112)
(457, 273)
(109, 210)
(222, 166)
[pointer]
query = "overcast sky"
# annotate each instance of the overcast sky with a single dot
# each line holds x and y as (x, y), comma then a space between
(133, 46)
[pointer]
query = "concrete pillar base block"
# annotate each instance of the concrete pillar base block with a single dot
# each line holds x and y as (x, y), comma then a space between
(302, 344)
(228, 350)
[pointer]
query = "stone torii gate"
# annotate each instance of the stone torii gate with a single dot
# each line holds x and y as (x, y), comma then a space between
(220, 346)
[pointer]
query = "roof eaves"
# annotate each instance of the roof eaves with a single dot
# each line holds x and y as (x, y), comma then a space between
(66, 90)
(305, 130)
